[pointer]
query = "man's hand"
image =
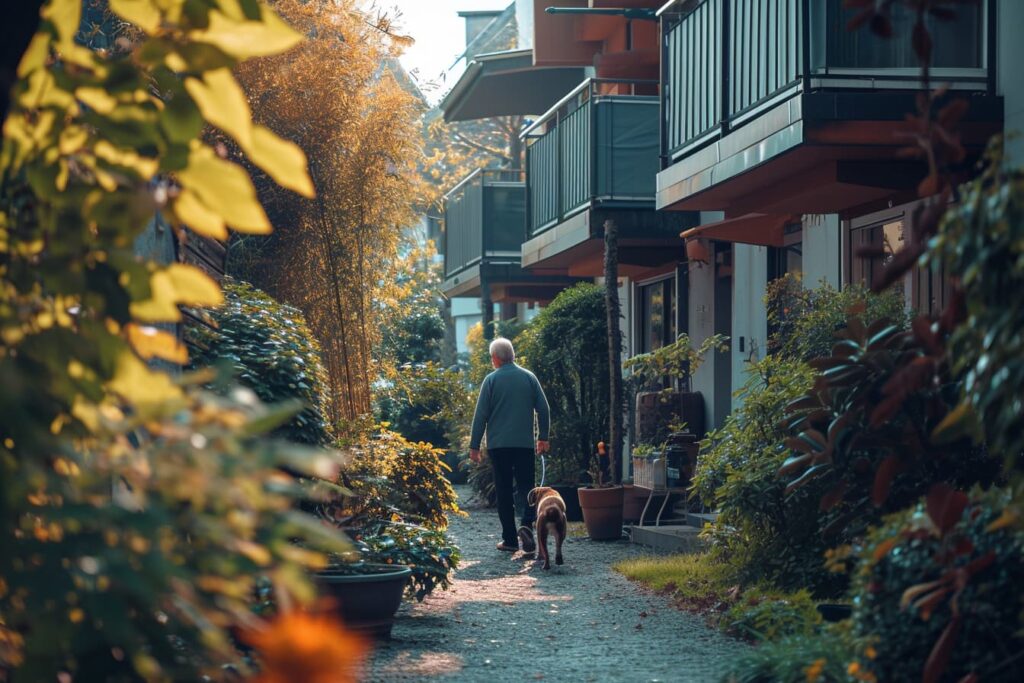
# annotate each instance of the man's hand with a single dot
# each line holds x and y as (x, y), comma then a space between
(474, 455)
(543, 446)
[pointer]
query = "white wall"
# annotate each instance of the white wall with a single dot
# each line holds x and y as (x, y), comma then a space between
(465, 314)
(524, 22)
(749, 314)
(822, 241)
(1010, 74)
(702, 325)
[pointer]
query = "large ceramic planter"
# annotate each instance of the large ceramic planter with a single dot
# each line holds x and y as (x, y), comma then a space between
(573, 512)
(602, 512)
(367, 601)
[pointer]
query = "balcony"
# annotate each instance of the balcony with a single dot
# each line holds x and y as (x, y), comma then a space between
(594, 157)
(484, 217)
(773, 106)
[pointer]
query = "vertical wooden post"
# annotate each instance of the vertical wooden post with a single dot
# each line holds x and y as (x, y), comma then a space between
(611, 285)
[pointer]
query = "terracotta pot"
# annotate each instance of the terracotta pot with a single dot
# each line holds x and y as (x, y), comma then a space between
(633, 503)
(573, 512)
(368, 601)
(602, 512)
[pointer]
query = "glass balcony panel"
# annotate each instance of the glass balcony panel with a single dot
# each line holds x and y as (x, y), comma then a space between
(484, 218)
(956, 44)
(600, 147)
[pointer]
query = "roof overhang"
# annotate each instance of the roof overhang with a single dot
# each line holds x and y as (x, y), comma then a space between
(506, 84)
(766, 230)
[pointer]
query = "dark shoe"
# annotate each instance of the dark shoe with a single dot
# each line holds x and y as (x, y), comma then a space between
(526, 539)
(507, 547)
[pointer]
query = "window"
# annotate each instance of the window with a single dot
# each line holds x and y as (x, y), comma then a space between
(657, 315)
(885, 240)
(925, 289)
(957, 44)
(788, 258)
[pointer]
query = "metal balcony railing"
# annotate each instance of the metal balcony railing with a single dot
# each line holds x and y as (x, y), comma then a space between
(484, 216)
(599, 144)
(725, 61)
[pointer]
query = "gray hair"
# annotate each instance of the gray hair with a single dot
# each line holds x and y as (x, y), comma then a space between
(501, 349)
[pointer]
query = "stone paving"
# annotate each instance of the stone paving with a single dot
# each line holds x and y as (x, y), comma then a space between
(506, 619)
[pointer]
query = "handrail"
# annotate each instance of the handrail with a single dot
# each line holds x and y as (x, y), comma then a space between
(711, 86)
(585, 85)
(486, 171)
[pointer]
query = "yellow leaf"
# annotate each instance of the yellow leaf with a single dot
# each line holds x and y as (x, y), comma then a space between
(222, 103)
(97, 99)
(35, 56)
(135, 382)
(176, 284)
(244, 39)
(1008, 518)
(193, 214)
(283, 161)
(226, 189)
(142, 13)
(146, 167)
(193, 286)
(65, 15)
(150, 342)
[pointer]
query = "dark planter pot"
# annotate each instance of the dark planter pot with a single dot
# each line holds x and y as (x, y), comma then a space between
(633, 501)
(368, 601)
(602, 512)
(573, 512)
(833, 612)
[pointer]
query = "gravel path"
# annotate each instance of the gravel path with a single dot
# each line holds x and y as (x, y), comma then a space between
(506, 619)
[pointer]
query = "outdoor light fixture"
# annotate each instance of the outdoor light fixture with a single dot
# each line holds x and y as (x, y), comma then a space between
(627, 12)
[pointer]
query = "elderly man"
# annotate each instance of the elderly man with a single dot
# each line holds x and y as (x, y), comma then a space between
(509, 397)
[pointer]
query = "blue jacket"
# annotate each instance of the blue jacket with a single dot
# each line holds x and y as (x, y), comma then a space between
(508, 398)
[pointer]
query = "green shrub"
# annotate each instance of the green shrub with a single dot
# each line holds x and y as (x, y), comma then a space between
(981, 240)
(771, 615)
(803, 321)
(951, 542)
(566, 347)
(395, 479)
(761, 531)
(830, 656)
(425, 402)
(430, 553)
(271, 351)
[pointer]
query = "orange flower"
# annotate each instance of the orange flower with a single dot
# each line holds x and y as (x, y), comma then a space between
(308, 648)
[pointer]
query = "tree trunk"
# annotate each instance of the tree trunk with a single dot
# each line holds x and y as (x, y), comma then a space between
(611, 288)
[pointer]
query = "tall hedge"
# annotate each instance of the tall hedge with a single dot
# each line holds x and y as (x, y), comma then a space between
(566, 347)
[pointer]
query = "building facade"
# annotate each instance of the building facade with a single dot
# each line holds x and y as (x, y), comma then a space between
(734, 141)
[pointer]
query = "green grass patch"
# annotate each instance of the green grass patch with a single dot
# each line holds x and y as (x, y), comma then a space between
(687, 577)
(698, 583)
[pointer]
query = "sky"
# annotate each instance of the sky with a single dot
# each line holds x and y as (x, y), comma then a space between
(439, 34)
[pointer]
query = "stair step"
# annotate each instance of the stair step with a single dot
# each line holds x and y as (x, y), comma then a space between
(678, 538)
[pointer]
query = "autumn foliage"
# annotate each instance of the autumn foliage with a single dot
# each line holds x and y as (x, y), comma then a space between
(337, 96)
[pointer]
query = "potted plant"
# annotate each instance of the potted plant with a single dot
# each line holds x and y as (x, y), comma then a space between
(601, 502)
(634, 499)
(366, 594)
(390, 560)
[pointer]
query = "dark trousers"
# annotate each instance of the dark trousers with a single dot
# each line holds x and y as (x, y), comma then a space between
(509, 464)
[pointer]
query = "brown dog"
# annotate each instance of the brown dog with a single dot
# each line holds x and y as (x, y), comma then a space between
(550, 518)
